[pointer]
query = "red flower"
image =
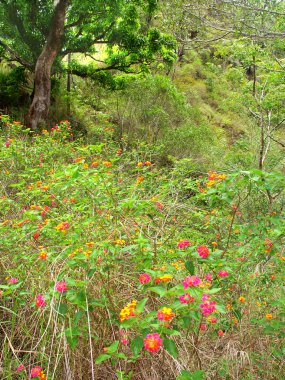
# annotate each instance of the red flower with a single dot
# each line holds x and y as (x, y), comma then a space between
(36, 235)
(203, 251)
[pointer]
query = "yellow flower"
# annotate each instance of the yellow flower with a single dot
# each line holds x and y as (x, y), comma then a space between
(210, 183)
(165, 278)
(119, 242)
(269, 316)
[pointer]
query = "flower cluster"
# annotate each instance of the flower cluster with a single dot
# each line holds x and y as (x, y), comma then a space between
(207, 307)
(145, 163)
(165, 314)
(43, 255)
(144, 278)
(128, 311)
(183, 244)
(140, 179)
(186, 298)
(62, 226)
(37, 372)
(164, 278)
(119, 242)
(159, 205)
(152, 342)
(13, 280)
(203, 251)
(61, 286)
(20, 368)
(40, 301)
(223, 273)
(191, 281)
(268, 244)
(213, 176)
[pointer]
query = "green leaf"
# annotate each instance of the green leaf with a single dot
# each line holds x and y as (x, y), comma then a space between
(186, 375)
(113, 348)
(91, 272)
(121, 355)
(72, 341)
(221, 309)
(190, 267)
(214, 290)
(137, 345)
(159, 290)
(102, 358)
(170, 346)
(62, 308)
(141, 305)
(77, 316)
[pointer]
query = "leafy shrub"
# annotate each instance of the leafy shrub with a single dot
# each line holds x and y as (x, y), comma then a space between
(109, 269)
(13, 90)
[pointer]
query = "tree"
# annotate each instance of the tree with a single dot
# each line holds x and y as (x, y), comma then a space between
(38, 34)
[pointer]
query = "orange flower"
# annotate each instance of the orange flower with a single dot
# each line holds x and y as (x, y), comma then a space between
(43, 255)
(140, 179)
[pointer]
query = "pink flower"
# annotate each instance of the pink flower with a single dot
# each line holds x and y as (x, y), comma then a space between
(268, 242)
(159, 205)
(203, 327)
(183, 244)
(208, 308)
(152, 342)
(20, 368)
(13, 280)
(186, 298)
(220, 332)
(144, 278)
(203, 251)
(124, 341)
(191, 281)
(61, 286)
(36, 371)
(40, 301)
(209, 277)
(223, 273)
(205, 297)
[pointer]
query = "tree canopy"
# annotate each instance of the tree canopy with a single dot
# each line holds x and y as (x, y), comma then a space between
(124, 26)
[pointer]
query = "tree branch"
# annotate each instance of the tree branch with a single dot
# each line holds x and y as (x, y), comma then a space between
(278, 142)
(15, 57)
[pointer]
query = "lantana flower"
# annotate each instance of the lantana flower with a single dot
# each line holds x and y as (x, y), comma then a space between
(203, 251)
(61, 286)
(152, 342)
(183, 244)
(165, 314)
(191, 281)
(144, 278)
(40, 301)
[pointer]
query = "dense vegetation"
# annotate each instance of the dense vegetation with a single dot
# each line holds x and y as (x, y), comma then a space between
(142, 209)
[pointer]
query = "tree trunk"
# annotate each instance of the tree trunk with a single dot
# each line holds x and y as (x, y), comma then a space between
(41, 101)
(68, 86)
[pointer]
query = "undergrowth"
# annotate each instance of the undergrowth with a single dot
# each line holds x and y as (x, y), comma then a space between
(113, 268)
